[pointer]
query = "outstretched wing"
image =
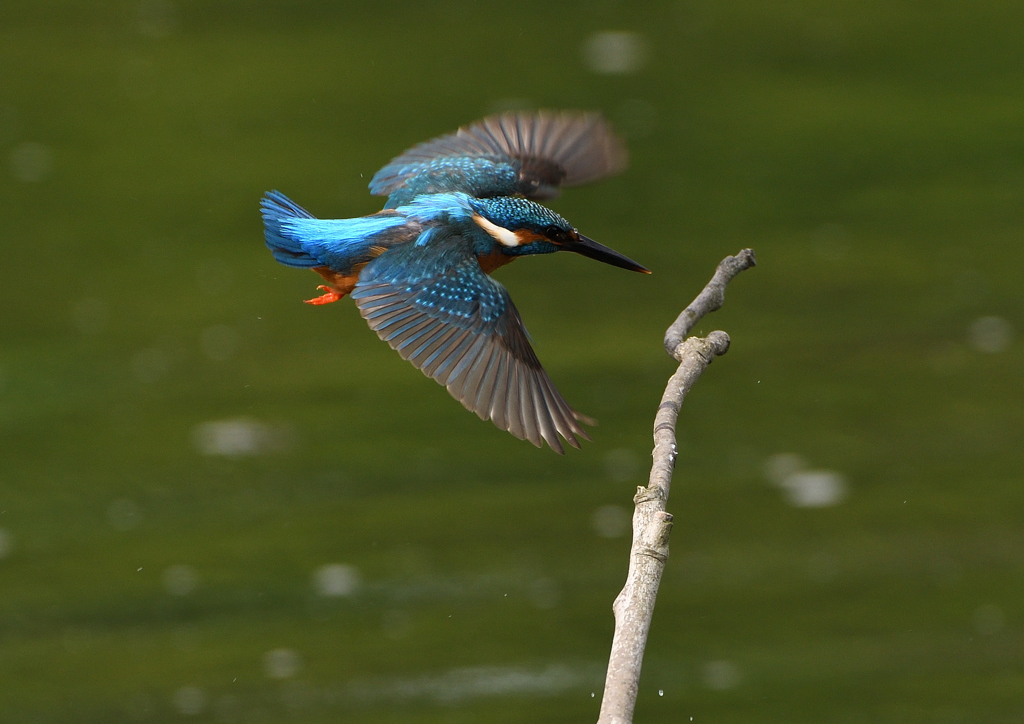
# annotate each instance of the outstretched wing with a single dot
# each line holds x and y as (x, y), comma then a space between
(436, 307)
(532, 154)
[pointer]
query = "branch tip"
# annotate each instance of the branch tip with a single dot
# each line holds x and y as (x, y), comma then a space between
(710, 299)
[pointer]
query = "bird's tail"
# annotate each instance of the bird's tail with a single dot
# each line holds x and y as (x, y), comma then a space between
(278, 210)
(297, 238)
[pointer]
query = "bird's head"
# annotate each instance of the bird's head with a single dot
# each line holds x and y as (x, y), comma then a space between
(522, 227)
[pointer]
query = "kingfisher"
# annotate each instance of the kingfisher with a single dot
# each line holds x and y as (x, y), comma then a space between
(458, 207)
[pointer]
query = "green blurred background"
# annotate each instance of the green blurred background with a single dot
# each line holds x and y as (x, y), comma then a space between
(220, 504)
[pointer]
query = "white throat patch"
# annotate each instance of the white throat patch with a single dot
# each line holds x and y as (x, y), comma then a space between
(500, 233)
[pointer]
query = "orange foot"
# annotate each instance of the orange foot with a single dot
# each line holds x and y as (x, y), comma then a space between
(329, 296)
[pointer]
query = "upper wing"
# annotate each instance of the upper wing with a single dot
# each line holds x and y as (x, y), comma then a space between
(436, 307)
(526, 153)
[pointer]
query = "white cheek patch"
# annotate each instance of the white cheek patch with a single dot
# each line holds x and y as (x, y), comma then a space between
(500, 233)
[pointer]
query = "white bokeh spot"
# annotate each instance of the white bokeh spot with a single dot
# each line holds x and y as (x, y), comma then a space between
(336, 580)
(805, 488)
(615, 52)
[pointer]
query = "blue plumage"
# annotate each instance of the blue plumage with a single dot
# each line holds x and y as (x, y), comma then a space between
(475, 176)
(458, 208)
(515, 212)
(279, 210)
(298, 239)
(447, 208)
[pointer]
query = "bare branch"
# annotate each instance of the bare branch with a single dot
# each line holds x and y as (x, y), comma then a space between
(710, 299)
(634, 606)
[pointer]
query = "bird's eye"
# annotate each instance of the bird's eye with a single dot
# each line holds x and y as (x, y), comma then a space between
(554, 233)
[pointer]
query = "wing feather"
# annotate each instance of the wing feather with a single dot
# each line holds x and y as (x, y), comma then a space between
(547, 425)
(461, 372)
(528, 153)
(513, 410)
(531, 416)
(486, 381)
(460, 328)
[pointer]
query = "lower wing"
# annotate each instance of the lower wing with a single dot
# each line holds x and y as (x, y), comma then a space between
(437, 308)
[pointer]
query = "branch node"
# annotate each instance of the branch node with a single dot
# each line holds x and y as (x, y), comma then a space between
(719, 342)
(665, 426)
(648, 494)
(652, 553)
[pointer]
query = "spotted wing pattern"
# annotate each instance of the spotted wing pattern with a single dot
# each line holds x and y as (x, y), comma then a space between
(438, 309)
(532, 154)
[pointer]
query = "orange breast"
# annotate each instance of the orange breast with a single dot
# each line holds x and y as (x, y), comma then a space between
(490, 262)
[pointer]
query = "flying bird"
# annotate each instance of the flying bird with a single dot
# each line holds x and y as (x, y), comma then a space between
(459, 207)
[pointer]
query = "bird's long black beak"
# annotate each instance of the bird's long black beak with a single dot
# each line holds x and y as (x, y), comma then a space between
(590, 248)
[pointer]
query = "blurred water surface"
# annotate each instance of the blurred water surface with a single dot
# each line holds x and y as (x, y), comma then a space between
(220, 504)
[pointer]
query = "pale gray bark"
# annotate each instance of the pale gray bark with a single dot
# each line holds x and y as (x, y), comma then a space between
(634, 606)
